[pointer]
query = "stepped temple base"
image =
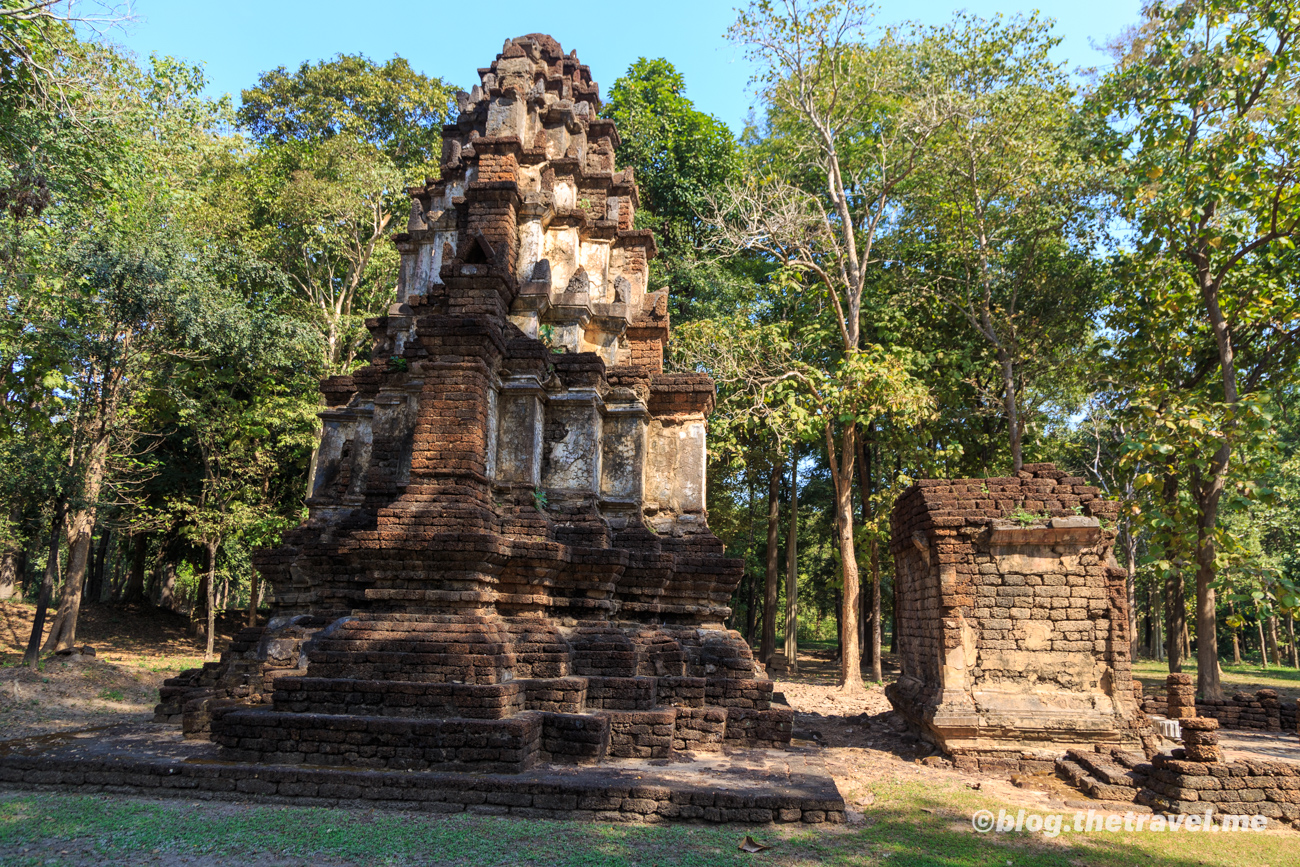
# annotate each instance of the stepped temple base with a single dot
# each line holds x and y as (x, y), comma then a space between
(154, 760)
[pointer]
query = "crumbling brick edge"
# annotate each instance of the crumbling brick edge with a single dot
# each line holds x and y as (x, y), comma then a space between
(1242, 788)
(487, 794)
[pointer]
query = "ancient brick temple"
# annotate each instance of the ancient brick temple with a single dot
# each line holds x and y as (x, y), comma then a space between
(1012, 618)
(507, 559)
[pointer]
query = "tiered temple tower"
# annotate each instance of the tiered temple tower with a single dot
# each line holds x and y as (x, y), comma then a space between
(507, 558)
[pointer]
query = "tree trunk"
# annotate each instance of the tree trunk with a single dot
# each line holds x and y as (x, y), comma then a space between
(1263, 646)
(95, 587)
(81, 528)
(869, 612)
(199, 605)
(1236, 642)
(1155, 644)
(768, 647)
(1130, 567)
(1295, 656)
(1272, 641)
(135, 582)
(32, 658)
(1209, 491)
(751, 606)
(252, 598)
(1175, 600)
(211, 548)
(839, 624)
(877, 668)
(63, 631)
(24, 561)
(1009, 403)
(1175, 619)
(8, 575)
(792, 570)
(1208, 685)
(167, 586)
(851, 653)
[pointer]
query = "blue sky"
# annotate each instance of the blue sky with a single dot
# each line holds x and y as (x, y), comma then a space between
(237, 39)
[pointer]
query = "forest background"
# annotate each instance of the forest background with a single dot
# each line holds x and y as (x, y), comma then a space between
(932, 252)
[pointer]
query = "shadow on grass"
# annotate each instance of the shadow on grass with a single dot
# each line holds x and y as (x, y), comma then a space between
(917, 831)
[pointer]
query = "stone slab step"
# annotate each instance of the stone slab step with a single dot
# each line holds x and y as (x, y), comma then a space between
(1101, 768)
(1129, 759)
(490, 746)
(146, 760)
(1078, 776)
(389, 698)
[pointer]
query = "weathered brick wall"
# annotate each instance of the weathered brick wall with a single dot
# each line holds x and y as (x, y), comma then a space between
(1261, 711)
(917, 601)
(1246, 788)
(1011, 633)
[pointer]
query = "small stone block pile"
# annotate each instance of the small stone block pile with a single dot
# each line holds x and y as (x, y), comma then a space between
(1201, 739)
(1194, 780)
(1180, 691)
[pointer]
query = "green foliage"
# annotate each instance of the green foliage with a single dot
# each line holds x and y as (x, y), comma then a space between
(1205, 146)
(681, 158)
(390, 107)
(1025, 518)
(1000, 218)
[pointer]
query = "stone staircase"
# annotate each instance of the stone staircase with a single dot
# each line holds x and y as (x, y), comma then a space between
(1106, 773)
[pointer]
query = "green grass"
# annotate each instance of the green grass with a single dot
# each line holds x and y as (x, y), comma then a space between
(1247, 677)
(831, 643)
(910, 824)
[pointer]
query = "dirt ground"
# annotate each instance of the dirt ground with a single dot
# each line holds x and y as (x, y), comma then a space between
(136, 648)
(868, 746)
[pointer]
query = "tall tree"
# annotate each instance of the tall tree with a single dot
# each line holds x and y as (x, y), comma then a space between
(389, 106)
(999, 221)
(339, 141)
(1205, 104)
(680, 157)
(850, 122)
(771, 587)
(792, 568)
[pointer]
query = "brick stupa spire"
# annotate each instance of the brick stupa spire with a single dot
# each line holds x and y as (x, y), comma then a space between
(507, 558)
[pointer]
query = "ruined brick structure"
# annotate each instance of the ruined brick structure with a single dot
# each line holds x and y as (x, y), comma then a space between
(507, 559)
(1195, 781)
(1261, 710)
(1012, 633)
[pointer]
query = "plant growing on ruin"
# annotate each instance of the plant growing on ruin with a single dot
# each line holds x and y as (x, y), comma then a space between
(1026, 518)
